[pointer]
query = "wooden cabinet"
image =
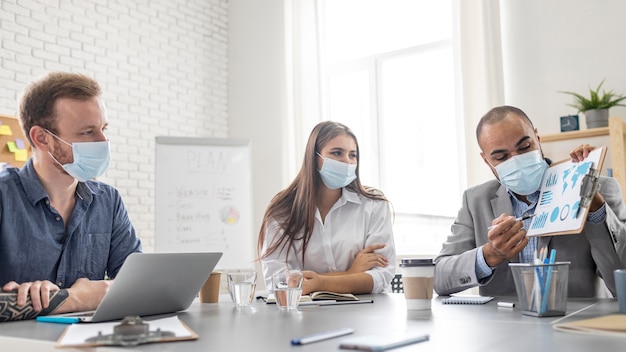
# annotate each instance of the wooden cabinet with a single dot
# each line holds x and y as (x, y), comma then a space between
(615, 158)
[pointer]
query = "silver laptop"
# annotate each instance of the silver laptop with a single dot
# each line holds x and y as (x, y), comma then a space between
(153, 283)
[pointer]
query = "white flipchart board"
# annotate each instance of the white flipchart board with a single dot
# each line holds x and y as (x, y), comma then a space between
(204, 198)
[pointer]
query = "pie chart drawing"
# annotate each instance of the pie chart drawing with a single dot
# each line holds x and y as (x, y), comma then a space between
(229, 215)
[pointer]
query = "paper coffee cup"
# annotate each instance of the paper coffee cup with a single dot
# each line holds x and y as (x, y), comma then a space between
(418, 282)
(210, 291)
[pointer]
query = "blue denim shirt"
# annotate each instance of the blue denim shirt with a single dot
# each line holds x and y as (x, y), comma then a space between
(34, 243)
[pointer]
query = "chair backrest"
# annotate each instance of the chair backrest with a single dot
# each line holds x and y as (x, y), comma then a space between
(396, 284)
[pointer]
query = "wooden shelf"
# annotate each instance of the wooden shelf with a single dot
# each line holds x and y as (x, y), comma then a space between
(616, 134)
(563, 136)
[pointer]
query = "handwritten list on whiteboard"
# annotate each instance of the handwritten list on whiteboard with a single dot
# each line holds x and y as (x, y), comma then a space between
(203, 198)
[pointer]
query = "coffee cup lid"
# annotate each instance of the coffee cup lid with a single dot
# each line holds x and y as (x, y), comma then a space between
(416, 262)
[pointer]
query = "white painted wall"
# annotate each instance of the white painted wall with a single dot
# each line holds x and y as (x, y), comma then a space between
(257, 94)
(555, 45)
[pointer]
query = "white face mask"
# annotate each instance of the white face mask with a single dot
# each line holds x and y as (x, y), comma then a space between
(336, 174)
(523, 173)
(91, 159)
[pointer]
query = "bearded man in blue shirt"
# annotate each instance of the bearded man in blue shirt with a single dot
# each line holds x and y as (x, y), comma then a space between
(61, 232)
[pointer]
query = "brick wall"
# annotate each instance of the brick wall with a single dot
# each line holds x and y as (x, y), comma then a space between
(162, 65)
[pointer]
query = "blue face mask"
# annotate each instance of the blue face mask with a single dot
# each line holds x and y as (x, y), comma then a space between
(336, 174)
(522, 174)
(91, 159)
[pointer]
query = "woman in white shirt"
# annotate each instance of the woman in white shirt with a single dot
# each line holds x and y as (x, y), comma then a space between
(329, 225)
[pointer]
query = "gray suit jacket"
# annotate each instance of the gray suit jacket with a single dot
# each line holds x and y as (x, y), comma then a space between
(597, 251)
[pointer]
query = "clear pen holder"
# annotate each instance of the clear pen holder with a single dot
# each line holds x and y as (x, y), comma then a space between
(541, 288)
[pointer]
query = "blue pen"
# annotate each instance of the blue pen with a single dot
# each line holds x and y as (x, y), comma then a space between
(546, 289)
(57, 319)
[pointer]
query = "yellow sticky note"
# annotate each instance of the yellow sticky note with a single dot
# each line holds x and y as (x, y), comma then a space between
(21, 155)
(12, 146)
(5, 130)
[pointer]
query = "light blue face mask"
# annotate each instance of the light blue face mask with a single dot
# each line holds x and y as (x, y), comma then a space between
(522, 173)
(336, 174)
(91, 159)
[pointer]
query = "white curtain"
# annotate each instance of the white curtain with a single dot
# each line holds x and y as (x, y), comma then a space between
(480, 55)
(304, 75)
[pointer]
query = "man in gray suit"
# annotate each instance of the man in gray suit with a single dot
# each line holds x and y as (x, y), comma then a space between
(474, 255)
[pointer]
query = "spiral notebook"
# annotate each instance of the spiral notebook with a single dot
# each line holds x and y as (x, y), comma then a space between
(466, 299)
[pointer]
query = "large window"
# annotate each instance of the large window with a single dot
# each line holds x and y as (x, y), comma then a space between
(388, 72)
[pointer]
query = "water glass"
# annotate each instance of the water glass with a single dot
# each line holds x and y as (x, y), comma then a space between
(287, 286)
(242, 286)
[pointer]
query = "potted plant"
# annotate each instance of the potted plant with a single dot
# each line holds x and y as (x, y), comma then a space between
(596, 105)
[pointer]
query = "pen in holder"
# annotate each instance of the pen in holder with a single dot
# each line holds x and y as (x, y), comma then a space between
(541, 288)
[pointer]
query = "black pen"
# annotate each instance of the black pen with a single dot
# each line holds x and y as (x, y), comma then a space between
(525, 217)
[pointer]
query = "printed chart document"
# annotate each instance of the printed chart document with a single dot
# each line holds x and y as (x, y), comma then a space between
(558, 211)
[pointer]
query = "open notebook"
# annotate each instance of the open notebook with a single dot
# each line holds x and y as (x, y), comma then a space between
(319, 296)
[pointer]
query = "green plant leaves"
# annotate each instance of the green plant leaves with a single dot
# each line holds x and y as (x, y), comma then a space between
(595, 100)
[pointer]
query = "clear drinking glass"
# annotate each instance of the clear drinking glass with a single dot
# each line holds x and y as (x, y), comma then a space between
(287, 286)
(242, 286)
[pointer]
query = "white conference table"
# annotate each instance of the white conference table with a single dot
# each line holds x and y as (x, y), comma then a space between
(262, 327)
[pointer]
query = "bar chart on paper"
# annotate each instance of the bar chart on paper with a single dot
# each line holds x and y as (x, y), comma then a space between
(558, 210)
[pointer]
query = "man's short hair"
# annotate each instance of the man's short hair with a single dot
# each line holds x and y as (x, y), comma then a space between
(498, 114)
(36, 107)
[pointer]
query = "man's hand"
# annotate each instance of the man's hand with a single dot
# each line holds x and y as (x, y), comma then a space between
(506, 239)
(367, 258)
(579, 154)
(84, 295)
(39, 292)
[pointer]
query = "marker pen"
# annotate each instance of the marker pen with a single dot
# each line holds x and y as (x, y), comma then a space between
(57, 319)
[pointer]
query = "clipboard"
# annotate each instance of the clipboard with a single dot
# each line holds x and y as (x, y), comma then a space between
(131, 331)
(560, 209)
